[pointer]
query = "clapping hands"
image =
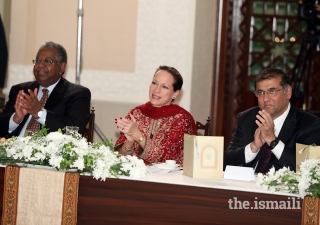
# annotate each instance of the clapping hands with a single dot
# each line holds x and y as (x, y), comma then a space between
(127, 126)
(265, 131)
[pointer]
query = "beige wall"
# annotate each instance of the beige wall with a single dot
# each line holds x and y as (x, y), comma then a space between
(123, 43)
(109, 31)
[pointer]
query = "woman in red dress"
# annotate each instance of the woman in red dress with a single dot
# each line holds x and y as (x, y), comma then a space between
(154, 131)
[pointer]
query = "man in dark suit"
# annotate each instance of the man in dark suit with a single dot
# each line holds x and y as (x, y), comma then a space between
(266, 136)
(67, 104)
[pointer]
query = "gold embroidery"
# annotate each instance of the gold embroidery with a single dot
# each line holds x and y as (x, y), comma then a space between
(310, 210)
(146, 148)
(70, 199)
(153, 129)
(10, 195)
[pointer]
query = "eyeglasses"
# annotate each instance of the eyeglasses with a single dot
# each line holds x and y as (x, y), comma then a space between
(47, 62)
(271, 92)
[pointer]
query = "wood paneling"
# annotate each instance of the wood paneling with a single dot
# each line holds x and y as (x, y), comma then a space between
(117, 201)
(231, 93)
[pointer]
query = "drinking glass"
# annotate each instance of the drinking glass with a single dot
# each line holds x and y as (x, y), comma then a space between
(29, 133)
(71, 130)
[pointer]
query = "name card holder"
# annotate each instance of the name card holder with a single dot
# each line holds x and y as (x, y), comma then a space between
(203, 156)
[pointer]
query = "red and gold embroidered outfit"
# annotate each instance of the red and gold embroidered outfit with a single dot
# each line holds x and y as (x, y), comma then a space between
(165, 141)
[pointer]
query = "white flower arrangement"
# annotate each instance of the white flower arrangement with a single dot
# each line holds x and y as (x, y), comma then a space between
(65, 152)
(305, 182)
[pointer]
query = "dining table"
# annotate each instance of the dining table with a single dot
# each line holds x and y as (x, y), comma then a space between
(170, 197)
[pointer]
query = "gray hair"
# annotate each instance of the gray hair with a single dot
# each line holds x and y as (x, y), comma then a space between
(62, 53)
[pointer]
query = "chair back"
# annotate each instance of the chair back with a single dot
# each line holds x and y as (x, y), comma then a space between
(88, 132)
(205, 127)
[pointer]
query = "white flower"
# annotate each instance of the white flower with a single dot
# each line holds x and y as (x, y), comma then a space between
(27, 151)
(55, 161)
(271, 171)
(304, 182)
(71, 151)
(79, 163)
(39, 156)
(55, 136)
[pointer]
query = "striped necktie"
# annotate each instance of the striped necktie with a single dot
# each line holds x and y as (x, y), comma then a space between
(34, 125)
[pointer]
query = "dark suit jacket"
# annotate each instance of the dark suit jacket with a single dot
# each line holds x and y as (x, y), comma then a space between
(298, 127)
(67, 105)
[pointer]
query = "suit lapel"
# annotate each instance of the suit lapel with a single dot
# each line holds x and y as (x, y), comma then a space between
(56, 95)
(289, 125)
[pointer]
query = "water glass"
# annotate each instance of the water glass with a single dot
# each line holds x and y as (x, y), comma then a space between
(29, 133)
(71, 130)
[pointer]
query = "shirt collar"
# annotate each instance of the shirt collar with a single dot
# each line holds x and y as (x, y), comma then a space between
(50, 88)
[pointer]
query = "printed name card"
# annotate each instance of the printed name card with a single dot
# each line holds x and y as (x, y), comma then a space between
(239, 173)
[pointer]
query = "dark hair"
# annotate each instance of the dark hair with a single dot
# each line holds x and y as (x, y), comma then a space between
(273, 73)
(178, 81)
(62, 53)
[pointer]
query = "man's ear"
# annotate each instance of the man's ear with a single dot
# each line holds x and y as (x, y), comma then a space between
(289, 92)
(62, 68)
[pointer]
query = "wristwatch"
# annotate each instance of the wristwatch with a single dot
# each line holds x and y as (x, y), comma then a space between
(274, 143)
(39, 114)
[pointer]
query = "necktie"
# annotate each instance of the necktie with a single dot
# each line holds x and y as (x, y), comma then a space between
(34, 125)
(264, 158)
